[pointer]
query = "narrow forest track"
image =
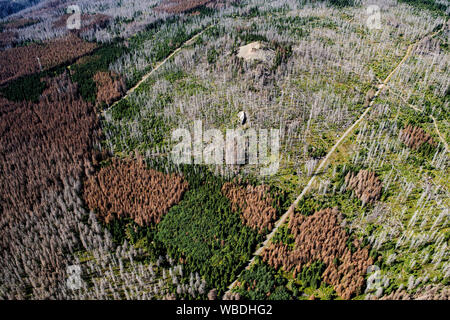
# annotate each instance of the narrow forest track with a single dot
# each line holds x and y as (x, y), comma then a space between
(441, 137)
(159, 65)
(324, 161)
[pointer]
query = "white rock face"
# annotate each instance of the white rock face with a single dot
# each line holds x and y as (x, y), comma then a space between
(242, 117)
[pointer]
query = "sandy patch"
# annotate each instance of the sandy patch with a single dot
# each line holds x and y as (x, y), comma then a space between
(256, 51)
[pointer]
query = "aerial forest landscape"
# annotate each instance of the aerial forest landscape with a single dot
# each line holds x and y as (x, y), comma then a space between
(251, 150)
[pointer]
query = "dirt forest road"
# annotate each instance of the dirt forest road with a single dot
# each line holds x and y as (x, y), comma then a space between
(324, 161)
(159, 65)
